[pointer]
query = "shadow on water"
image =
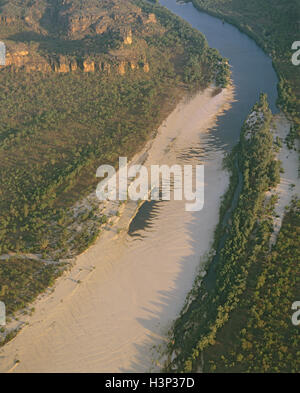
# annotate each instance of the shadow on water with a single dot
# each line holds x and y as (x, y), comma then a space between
(252, 73)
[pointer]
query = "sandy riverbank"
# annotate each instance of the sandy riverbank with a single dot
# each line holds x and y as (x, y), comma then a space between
(131, 288)
(289, 185)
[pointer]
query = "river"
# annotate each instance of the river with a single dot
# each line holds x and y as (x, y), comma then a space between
(133, 285)
(252, 74)
(252, 70)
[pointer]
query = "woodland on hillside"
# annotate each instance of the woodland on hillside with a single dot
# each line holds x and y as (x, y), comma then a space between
(59, 124)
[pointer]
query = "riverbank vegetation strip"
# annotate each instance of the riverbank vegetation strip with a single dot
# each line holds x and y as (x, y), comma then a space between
(208, 310)
(260, 336)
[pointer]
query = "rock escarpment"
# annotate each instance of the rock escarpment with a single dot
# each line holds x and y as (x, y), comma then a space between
(72, 35)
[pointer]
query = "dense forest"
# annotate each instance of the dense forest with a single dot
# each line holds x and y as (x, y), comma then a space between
(86, 82)
(260, 336)
(274, 25)
(238, 308)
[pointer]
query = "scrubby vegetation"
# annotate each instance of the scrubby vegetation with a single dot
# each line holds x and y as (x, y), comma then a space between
(85, 83)
(246, 239)
(23, 279)
(56, 129)
(260, 337)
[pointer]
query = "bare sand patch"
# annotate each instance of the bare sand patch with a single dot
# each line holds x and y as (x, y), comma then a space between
(289, 185)
(123, 293)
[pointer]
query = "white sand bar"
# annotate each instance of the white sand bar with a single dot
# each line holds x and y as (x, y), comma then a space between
(111, 320)
(289, 186)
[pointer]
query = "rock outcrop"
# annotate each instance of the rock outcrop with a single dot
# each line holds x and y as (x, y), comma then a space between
(32, 61)
(128, 38)
(106, 36)
(23, 59)
(88, 66)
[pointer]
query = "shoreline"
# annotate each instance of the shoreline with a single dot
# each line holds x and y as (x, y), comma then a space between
(259, 42)
(52, 324)
(199, 339)
(289, 185)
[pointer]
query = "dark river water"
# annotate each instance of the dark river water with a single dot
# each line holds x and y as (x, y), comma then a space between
(252, 70)
(252, 74)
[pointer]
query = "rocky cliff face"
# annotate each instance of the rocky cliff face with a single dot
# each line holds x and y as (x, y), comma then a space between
(73, 35)
(18, 60)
